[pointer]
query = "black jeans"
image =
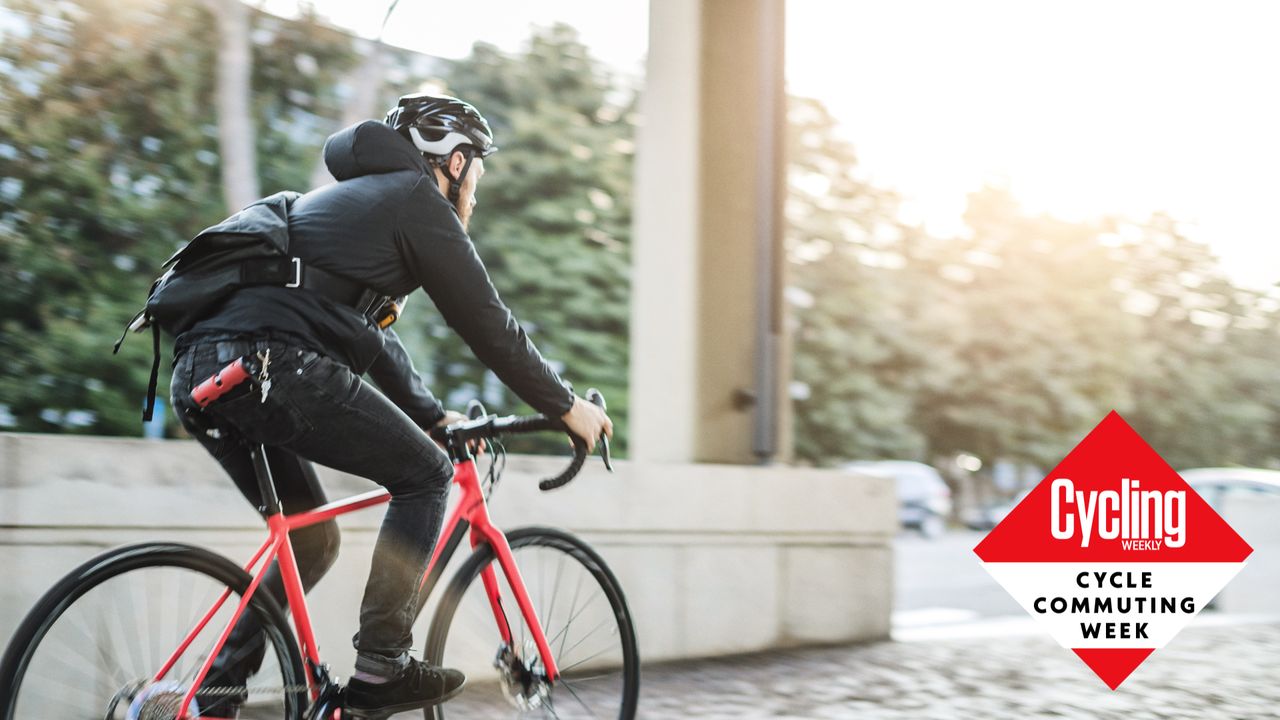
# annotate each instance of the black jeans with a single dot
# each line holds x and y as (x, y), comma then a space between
(318, 410)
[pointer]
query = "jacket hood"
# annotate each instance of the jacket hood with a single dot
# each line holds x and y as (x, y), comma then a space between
(369, 148)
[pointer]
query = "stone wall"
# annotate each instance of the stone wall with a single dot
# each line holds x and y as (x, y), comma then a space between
(714, 559)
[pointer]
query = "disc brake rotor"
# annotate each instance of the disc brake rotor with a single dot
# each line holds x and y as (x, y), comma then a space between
(523, 683)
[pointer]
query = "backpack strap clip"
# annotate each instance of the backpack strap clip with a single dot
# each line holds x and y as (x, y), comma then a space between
(297, 274)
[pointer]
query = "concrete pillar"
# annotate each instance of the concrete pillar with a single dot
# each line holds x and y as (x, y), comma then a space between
(707, 333)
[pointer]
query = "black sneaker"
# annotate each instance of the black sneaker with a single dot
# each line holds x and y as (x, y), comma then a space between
(420, 685)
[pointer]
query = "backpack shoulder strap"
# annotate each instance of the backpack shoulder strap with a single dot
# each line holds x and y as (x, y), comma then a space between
(155, 374)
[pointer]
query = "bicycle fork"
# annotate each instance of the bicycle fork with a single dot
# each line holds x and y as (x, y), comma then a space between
(483, 531)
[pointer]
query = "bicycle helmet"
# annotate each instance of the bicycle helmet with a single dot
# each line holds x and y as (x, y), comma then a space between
(438, 125)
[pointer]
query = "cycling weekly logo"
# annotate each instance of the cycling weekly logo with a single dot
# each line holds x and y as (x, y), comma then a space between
(1113, 553)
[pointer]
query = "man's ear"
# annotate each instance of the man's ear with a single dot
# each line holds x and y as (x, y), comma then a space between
(456, 161)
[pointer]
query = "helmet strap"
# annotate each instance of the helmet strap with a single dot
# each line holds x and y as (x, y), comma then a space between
(455, 183)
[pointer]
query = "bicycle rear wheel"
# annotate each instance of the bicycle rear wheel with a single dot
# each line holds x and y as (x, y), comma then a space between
(91, 646)
(583, 613)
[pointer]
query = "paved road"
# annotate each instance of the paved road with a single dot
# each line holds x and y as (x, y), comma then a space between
(1206, 673)
(965, 649)
(944, 573)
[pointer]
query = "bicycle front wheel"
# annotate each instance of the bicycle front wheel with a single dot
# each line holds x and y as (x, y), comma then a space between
(92, 645)
(583, 614)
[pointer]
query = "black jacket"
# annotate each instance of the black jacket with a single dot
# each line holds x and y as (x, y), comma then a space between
(386, 225)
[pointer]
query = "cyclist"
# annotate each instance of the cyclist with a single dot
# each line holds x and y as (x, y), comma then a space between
(395, 220)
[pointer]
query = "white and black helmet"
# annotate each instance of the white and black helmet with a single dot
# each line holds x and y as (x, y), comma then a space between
(437, 125)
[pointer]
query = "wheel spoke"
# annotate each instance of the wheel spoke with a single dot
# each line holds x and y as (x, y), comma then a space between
(555, 590)
(135, 646)
(127, 606)
(602, 623)
(581, 680)
(589, 657)
(96, 642)
(462, 638)
(580, 701)
(577, 588)
(562, 630)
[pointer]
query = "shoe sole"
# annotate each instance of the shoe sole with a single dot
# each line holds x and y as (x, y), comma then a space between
(384, 712)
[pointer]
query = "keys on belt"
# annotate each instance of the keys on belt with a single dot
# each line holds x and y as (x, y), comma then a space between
(253, 367)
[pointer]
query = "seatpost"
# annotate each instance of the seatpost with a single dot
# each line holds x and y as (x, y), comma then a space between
(266, 486)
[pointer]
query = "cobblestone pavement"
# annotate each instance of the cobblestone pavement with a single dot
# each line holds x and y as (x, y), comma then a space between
(1206, 672)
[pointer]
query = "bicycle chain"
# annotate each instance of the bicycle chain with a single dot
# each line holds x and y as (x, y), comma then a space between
(165, 705)
(228, 690)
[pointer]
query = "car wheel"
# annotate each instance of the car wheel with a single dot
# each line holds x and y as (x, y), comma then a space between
(933, 527)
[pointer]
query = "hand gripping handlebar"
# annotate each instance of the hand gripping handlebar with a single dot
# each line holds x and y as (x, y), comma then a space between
(484, 427)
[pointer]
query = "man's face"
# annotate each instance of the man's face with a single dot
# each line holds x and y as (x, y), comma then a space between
(467, 193)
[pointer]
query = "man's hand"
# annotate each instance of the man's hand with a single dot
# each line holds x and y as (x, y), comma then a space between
(453, 416)
(587, 421)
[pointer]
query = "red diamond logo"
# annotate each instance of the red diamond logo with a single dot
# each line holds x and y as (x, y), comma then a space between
(1113, 553)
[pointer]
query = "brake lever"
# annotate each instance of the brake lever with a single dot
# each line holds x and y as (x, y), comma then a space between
(594, 396)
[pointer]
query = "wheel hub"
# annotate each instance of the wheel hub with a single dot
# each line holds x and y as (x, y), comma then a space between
(524, 683)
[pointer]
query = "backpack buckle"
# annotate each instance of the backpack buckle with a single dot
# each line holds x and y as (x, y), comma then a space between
(297, 274)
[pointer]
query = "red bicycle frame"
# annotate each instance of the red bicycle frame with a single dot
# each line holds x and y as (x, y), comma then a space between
(470, 511)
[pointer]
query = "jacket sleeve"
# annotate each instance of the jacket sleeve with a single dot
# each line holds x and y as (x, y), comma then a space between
(443, 260)
(393, 372)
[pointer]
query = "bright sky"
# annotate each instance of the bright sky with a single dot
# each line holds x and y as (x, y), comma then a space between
(1082, 107)
(617, 31)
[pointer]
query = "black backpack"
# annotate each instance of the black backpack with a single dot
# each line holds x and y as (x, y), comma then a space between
(249, 248)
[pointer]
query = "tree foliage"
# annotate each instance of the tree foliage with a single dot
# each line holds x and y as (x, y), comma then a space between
(1008, 341)
(553, 217)
(108, 162)
(1012, 340)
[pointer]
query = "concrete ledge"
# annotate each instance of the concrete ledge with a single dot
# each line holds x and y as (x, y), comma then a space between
(714, 559)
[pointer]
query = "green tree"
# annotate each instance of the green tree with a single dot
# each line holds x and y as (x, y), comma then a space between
(553, 218)
(856, 347)
(1046, 345)
(1207, 356)
(105, 169)
(108, 163)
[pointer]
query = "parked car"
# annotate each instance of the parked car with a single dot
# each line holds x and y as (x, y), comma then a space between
(1249, 500)
(990, 515)
(1218, 485)
(924, 500)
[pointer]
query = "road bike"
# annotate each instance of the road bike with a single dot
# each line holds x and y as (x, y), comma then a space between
(133, 633)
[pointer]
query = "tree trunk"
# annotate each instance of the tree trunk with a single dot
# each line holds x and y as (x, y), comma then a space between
(236, 139)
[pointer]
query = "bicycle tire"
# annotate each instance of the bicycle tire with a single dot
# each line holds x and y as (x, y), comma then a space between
(98, 574)
(480, 690)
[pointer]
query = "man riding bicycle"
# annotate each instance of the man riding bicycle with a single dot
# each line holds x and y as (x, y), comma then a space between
(396, 220)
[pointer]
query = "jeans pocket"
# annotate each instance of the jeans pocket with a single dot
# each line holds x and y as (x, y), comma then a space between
(277, 421)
